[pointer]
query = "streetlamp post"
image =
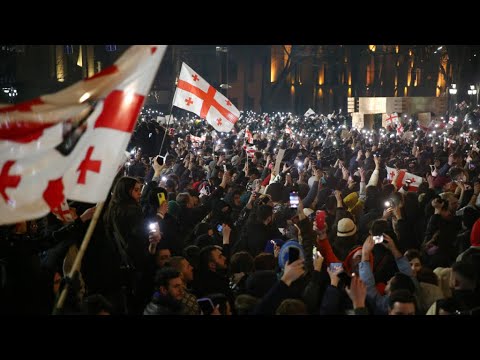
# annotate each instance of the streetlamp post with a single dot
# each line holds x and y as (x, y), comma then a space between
(473, 94)
(453, 95)
(222, 52)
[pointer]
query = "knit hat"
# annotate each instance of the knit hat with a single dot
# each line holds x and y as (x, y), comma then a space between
(173, 208)
(346, 227)
(351, 200)
(283, 255)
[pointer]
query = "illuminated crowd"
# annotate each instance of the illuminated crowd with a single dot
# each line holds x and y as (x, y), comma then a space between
(284, 215)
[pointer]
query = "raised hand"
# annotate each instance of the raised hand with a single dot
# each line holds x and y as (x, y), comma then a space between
(357, 292)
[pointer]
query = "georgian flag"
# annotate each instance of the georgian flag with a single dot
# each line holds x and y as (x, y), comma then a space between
(288, 130)
(402, 178)
(392, 119)
(198, 96)
(70, 144)
(250, 150)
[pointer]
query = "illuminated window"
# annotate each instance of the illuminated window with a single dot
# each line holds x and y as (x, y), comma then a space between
(68, 49)
(111, 48)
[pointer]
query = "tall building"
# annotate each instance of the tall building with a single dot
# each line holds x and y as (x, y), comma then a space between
(262, 78)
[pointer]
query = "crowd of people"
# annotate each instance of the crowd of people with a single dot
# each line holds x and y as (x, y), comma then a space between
(287, 215)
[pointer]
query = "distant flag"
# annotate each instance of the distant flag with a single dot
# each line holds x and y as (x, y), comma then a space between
(404, 178)
(392, 119)
(288, 130)
(69, 145)
(198, 96)
(250, 150)
(64, 213)
(309, 112)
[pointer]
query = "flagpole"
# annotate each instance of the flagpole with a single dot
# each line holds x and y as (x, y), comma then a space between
(171, 109)
(78, 259)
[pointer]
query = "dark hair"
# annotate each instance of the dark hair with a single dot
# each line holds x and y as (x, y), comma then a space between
(205, 257)
(402, 281)
(264, 261)
(263, 212)
(401, 296)
(192, 254)
(411, 254)
(96, 303)
(121, 198)
(291, 307)
(244, 304)
(164, 275)
(152, 203)
(241, 262)
(175, 262)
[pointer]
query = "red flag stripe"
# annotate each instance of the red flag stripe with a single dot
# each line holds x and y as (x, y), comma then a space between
(22, 131)
(120, 111)
(22, 107)
(208, 100)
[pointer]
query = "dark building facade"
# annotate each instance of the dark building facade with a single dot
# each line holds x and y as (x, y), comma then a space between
(262, 78)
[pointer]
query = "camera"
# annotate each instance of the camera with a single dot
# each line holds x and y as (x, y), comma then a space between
(378, 239)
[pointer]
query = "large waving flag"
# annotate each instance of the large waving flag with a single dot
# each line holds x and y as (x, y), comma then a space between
(69, 144)
(198, 96)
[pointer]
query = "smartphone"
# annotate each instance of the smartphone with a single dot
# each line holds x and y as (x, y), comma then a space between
(320, 219)
(388, 204)
(219, 228)
(378, 239)
(160, 160)
(294, 200)
(161, 198)
(293, 254)
(335, 266)
(154, 227)
(345, 278)
(206, 305)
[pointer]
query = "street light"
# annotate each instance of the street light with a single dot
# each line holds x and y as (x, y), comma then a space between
(222, 54)
(472, 92)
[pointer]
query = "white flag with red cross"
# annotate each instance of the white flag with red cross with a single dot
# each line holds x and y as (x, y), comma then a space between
(198, 96)
(288, 130)
(392, 119)
(70, 144)
(250, 150)
(64, 213)
(403, 178)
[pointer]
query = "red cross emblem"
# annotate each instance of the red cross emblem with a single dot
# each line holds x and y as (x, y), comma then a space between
(228, 102)
(219, 122)
(7, 181)
(195, 77)
(412, 180)
(88, 165)
(391, 118)
(189, 101)
(392, 174)
(208, 100)
(153, 49)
